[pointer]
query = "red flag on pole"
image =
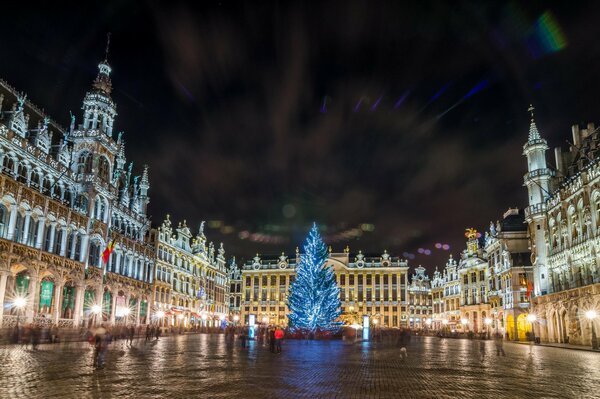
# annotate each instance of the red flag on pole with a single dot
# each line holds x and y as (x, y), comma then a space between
(529, 288)
(108, 251)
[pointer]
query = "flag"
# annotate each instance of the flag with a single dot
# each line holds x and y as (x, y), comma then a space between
(529, 288)
(108, 251)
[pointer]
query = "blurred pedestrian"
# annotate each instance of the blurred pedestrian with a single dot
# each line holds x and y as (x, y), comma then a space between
(148, 333)
(272, 340)
(279, 334)
(499, 344)
(36, 333)
(243, 337)
(131, 334)
(481, 349)
(157, 333)
(54, 334)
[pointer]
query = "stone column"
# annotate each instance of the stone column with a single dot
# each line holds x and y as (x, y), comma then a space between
(79, 297)
(113, 308)
(117, 265)
(73, 242)
(26, 227)
(57, 303)
(84, 248)
(3, 278)
(33, 298)
(98, 301)
(137, 310)
(63, 242)
(12, 222)
(52, 234)
(40, 233)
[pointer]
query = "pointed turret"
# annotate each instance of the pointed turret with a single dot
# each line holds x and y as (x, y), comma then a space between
(537, 181)
(99, 110)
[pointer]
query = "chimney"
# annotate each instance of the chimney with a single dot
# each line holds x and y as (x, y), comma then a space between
(576, 135)
(559, 161)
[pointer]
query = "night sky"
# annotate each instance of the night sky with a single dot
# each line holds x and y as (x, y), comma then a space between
(394, 126)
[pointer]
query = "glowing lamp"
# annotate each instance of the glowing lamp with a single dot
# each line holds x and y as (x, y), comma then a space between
(160, 314)
(591, 314)
(96, 309)
(531, 318)
(236, 318)
(464, 321)
(487, 321)
(20, 302)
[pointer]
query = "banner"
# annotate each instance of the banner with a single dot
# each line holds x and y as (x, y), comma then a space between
(46, 293)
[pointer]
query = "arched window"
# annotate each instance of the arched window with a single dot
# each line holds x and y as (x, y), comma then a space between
(47, 241)
(22, 173)
(82, 203)
(94, 254)
(67, 197)
(31, 232)
(84, 163)
(47, 186)
(57, 239)
(18, 235)
(3, 220)
(104, 169)
(34, 181)
(77, 251)
(8, 164)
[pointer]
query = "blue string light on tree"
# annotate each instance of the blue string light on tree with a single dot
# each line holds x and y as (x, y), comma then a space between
(314, 296)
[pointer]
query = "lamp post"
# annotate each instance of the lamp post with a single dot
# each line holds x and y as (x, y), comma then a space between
(465, 324)
(96, 309)
(531, 318)
(591, 316)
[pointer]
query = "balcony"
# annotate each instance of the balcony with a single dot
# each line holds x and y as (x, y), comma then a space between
(535, 210)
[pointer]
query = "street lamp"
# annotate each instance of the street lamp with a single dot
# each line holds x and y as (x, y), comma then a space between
(19, 303)
(96, 310)
(487, 321)
(591, 316)
(464, 322)
(236, 318)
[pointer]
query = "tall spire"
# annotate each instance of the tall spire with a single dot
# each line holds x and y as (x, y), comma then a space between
(534, 134)
(107, 48)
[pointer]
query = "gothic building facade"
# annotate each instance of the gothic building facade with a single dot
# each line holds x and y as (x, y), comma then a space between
(563, 218)
(66, 193)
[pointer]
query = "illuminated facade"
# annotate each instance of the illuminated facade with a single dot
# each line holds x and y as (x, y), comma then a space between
(191, 285)
(373, 286)
(451, 295)
(507, 251)
(563, 217)
(473, 275)
(438, 314)
(65, 194)
(419, 300)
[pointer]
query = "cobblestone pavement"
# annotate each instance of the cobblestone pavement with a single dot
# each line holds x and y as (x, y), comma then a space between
(205, 366)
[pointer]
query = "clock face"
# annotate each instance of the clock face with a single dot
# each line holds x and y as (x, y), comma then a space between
(360, 264)
(282, 265)
(256, 266)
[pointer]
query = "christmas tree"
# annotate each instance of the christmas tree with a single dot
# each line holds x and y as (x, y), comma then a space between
(314, 296)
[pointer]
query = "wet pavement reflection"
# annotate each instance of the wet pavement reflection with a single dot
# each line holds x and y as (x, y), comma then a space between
(192, 365)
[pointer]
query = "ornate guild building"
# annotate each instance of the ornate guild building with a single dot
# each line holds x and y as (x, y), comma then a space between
(419, 300)
(191, 284)
(563, 217)
(373, 286)
(66, 193)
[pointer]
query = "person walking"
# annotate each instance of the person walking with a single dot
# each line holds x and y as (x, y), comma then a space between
(243, 337)
(272, 340)
(54, 334)
(157, 334)
(481, 349)
(148, 333)
(499, 344)
(278, 338)
(131, 334)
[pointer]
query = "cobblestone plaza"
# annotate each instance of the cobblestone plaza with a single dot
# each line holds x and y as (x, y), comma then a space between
(198, 365)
